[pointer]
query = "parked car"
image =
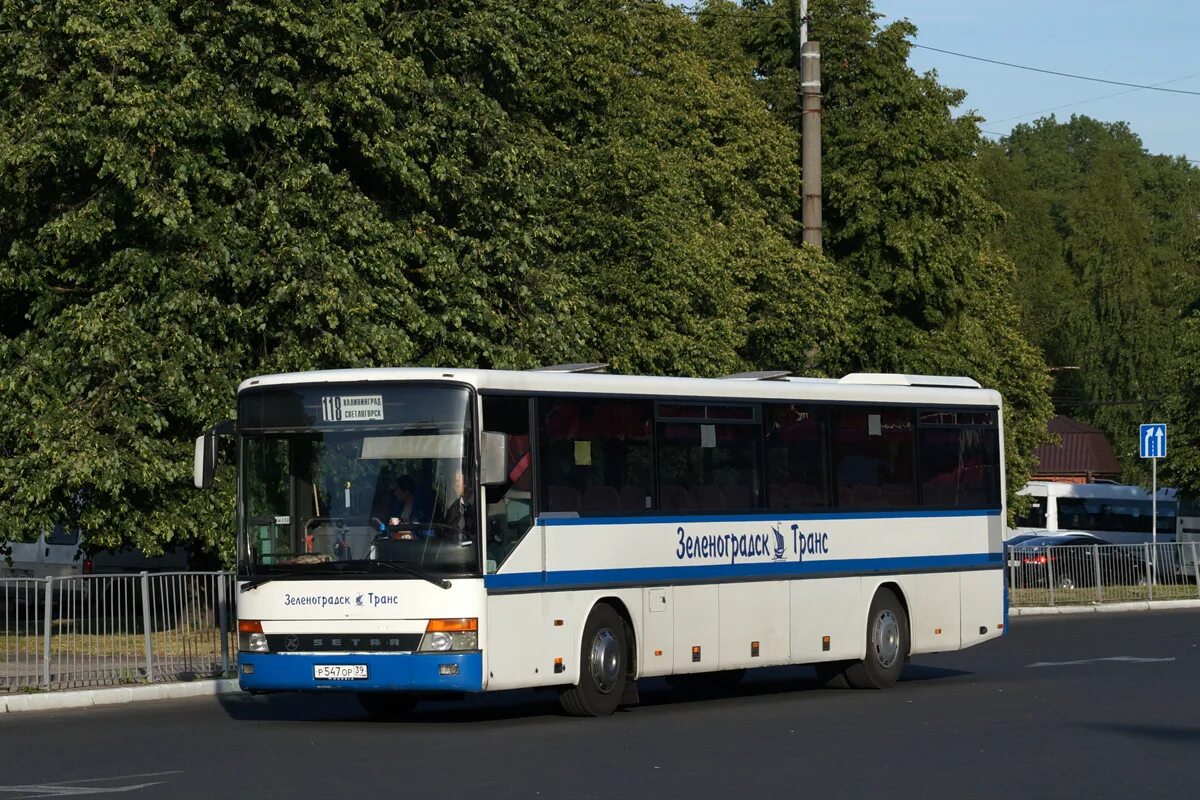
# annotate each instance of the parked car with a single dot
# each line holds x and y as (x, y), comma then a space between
(1019, 540)
(1071, 560)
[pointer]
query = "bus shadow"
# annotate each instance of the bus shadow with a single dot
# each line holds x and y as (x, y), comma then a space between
(541, 704)
(1162, 733)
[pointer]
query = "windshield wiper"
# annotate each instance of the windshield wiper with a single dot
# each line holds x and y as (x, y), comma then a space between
(325, 570)
(258, 581)
(399, 566)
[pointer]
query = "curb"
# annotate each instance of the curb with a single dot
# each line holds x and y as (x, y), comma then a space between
(1140, 605)
(86, 698)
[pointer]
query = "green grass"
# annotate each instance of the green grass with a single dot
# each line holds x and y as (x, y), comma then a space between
(65, 640)
(1110, 594)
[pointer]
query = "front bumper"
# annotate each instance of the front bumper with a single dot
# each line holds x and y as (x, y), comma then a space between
(393, 672)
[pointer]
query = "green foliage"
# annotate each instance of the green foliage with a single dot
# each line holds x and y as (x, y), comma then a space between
(1105, 239)
(1181, 410)
(193, 193)
(680, 229)
(906, 217)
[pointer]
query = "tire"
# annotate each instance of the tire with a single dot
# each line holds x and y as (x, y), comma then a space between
(1065, 582)
(706, 683)
(387, 705)
(887, 645)
(832, 674)
(603, 666)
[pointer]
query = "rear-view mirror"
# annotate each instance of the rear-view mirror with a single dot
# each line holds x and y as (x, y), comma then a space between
(493, 458)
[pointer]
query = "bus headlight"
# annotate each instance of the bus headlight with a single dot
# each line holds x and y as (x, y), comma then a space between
(253, 643)
(448, 635)
(251, 638)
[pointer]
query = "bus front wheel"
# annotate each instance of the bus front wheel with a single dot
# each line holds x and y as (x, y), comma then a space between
(603, 666)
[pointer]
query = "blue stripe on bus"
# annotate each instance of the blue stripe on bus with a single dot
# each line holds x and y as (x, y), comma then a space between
(714, 573)
(391, 672)
(783, 515)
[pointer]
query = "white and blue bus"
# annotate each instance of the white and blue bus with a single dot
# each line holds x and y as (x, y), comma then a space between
(1117, 513)
(405, 533)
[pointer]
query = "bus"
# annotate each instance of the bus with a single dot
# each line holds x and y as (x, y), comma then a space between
(1117, 513)
(1187, 533)
(412, 533)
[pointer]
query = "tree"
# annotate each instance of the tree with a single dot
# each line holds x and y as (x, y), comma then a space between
(193, 193)
(1046, 289)
(906, 217)
(680, 224)
(1127, 233)
(1121, 353)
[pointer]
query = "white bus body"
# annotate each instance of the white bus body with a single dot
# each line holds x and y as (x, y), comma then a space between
(640, 499)
(1116, 513)
(1188, 534)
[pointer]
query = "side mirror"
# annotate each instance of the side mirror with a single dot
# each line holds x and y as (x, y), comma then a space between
(205, 460)
(493, 458)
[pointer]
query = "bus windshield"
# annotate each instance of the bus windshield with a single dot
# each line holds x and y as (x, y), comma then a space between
(357, 479)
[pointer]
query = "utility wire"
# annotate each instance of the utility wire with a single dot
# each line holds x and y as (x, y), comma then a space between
(1093, 99)
(1060, 74)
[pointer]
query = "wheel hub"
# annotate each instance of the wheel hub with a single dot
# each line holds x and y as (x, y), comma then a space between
(887, 639)
(605, 661)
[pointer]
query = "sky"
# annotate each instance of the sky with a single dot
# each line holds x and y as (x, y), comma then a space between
(1148, 42)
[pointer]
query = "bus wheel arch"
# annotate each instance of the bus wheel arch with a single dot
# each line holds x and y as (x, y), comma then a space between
(606, 667)
(888, 641)
(631, 649)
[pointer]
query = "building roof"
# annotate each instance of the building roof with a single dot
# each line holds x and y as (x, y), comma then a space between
(1084, 450)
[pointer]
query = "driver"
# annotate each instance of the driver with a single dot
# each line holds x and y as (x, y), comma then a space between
(405, 510)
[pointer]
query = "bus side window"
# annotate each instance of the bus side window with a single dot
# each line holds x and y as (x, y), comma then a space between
(595, 456)
(708, 457)
(959, 460)
(795, 442)
(509, 505)
(1035, 517)
(873, 451)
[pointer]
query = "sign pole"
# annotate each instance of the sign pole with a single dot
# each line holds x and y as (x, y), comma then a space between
(1154, 516)
(1152, 444)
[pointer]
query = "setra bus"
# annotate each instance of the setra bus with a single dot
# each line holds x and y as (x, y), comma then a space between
(408, 533)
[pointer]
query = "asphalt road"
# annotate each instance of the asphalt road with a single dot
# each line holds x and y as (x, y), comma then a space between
(1095, 706)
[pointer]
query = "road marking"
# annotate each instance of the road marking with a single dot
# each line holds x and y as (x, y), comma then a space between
(70, 789)
(1125, 659)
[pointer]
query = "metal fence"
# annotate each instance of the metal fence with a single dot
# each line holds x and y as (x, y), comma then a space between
(1102, 573)
(110, 630)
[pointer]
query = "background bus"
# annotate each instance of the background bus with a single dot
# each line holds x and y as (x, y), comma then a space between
(408, 531)
(1188, 534)
(1119, 514)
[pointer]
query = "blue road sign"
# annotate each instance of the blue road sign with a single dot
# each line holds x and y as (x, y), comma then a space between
(1152, 440)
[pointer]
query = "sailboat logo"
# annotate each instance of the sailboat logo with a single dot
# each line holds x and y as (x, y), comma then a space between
(779, 544)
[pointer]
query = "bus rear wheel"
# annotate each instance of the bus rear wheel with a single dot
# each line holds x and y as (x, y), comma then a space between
(387, 704)
(887, 645)
(603, 666)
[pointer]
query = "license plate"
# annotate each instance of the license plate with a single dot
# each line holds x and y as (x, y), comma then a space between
(340, 672)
